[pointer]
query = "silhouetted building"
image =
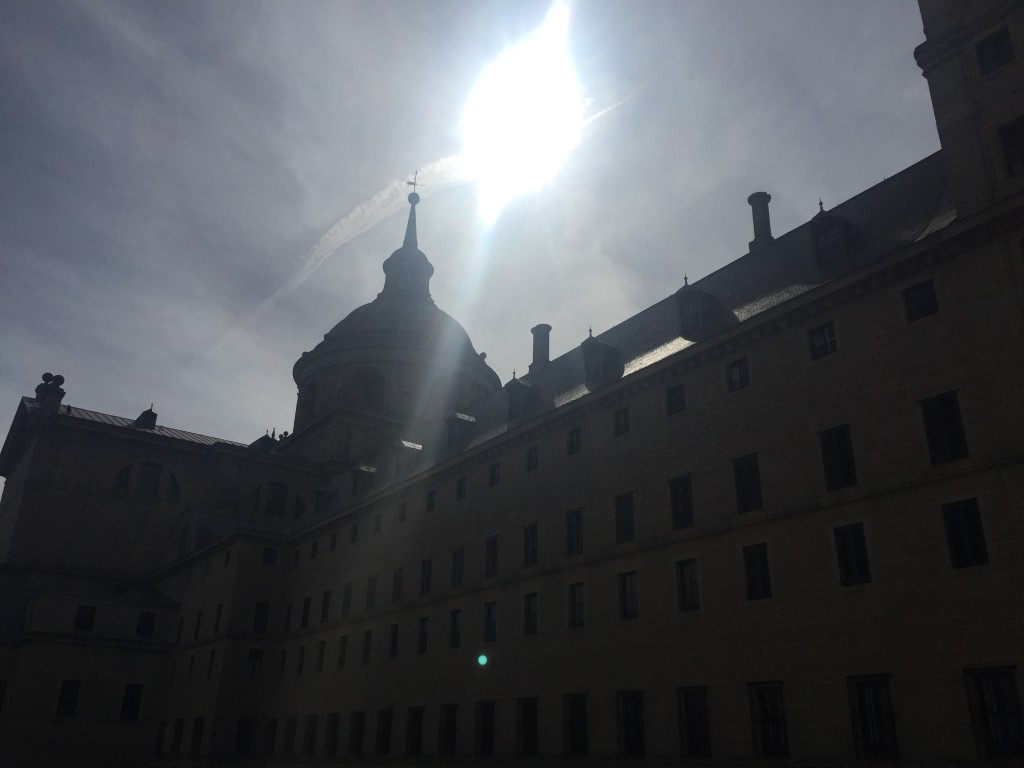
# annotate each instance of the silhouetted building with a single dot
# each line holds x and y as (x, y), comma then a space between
(774, 515)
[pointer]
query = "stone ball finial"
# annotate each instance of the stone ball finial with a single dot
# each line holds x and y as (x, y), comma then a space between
(47, 377)
(414, 198)
(58, 379)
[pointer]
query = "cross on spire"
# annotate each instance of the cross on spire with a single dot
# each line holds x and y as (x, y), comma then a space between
(415, 181)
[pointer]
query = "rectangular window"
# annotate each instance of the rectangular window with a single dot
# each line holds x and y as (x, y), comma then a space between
(382, 740)
(458, 565)
(403, 512)
(217, 617)
(309, 735)
(630, 706)
(493, 475)
(995, 711)
(576, 605)
(377, 518)
(191, 666)
(300, 661)
(490, 622)
(353, 533)
(254, 665)
(131, 702)
(314, 547)
(994, 51)
(768, 716)
(694, 722)
(455, 628)
(342, 650)
(688, 585)
(332, 732)
(448, 722)
(821, 341)
(269, 556)
(176, 736)
(426, 573)
(371, 592)
(574, 532)
(755, 565)
(491, 557)
(944, 428)
(199, 725)
(675, 400)
(629, 607)
(964, 533)
(67, 701)
(747, 476)
(574, 723)
(573, 441)
(920, 301)
(85, 618)
(460, 488)
(530, 613)
(530, 545)
(287, 618)
(364, 656)
(422, 627)
(396, 584)
(306, 604)
(874, 727)
(198, 626)
(321, 651)
(261, 618)
(393, 642)
(852, 553)
(1011, 136)
(346, 600)
(484, 736)
(209, 665)
(532, 458)
(325, 606)
(680, 495)
(527, 726)
(620, 422)
(291, 729)
(270, 736)
(284, 661)
(356, 726)
(332, 542)
(624, 527)
(837, 458)
(413, 730)
(146, 624)
(736, 374)
(431, 502)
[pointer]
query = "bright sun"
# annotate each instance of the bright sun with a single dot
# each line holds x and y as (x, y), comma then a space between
(524, 116)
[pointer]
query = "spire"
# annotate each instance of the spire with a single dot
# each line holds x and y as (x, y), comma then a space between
(407, 272)
(410, 227)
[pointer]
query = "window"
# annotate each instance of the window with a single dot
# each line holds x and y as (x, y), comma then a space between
(403, 512)
(396, 584)
(994, 51)
(270, 556)
(629, 608)
(484, 737)
(277, 498)
(300, 661)
(261, 618)
(747, 476)
(620, 422)
(455, 628)
(393, 642)
(694, 722)
(382, 741)
(995, 711)
(270, 736)
(755, 565)
(874, 727)
(353, 534)
(131, 702)
(217, 617)
(309, 735)
(426, 571)
(295, 557)
(688, 585)
(149, 480)
(680, 496)
(837, 458)
(199, 624)
(342, 650)
(377, 518)
(964, 533)
(490, 622)
(821, 341)
(431, 502)
(446, 729)
(574, 532)
(284, 661)
(243, 735)
(493, 475)
(920, 301)
(313, 548)
(332, 731)
(291, 727)
(768, 715)
(852, 552)
(530, 613)
(530, 545)
(306, 602)
(573, 441)
(575, 604)
(527, 726)
(346, 600)
(325, 606)
(943, 428)
(356, 726)
(413, 730)
(199, 725)
(1012, 138)
(460, 488)
(121, 479)
(736, 374)
(675, 400)
(176, 735)
(574, 723)
(421, 634)
(146, 624)
(458, 565)
(67, 701)
(321, 651)
(532, 458)
(210, 663)
(371, 592)
(254, 664)
(624, 527)
(85, 618)
(491, 557)
(631, 723)
(364, 656)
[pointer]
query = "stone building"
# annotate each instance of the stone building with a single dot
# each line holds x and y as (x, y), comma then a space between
(774, 515)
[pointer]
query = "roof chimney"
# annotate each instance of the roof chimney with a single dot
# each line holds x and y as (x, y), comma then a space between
(541, 346)
(762, 221)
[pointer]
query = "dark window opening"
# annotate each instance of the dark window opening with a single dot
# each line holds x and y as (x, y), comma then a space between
(944, 428)
(447, 725)
(131, 702)
(755, 565)
(994, 51)
(737, 375)
(145, 626)
(527, 726)
(620, 422)
(694, 722)
(413, 730)
(965, 534)
(920, 301)
(332, 733)
(532, 458)
(277, 498)
(484, 736)
(995, 711)
(680, 494)
(426, 575)
(85, 618)
(688, 585)
(149, 479)
(455, 628)
(573, 441)
(431, 501)
(675, 400)
(493, 475)
(490, 622)
(574, 714)
(458, 565)
(624, 521)
(371, 593)
(852, 552)
(491, 557)
(382, 741)
(309, 735)
(629, 607)
(747, 476)
(837, 458)
(270, 556)
(67, 701)
(530, 545)
(576, 605)
(356, 726)
(530, 614)
(874, 727)
(574, 532)
(1011, 136)
(460, 488)
(364, 656)
(821, 341)
(396, 584)
(422, 627)
(768, 714)
(630, 706)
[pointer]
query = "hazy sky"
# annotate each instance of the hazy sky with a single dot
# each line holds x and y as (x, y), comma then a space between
(168, 166)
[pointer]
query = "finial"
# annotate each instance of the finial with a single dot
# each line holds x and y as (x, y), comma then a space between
(273, 432)
(590, 331)
(686, 281)
(821, 206)
(513, 373)
(410, 228)
(151, 406)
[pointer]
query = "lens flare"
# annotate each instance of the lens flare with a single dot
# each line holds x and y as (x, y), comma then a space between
(481, 660)
(524, 116)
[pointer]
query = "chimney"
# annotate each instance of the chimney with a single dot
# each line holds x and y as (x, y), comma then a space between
(762, 221)
(541, 346)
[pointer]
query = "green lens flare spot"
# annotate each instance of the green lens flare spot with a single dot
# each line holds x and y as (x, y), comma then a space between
(482, 660)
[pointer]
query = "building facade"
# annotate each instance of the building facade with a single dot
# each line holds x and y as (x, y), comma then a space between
(774, 515)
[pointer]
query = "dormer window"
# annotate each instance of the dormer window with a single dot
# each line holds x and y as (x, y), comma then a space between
(602, 363)
(690, 314)
(831, 236)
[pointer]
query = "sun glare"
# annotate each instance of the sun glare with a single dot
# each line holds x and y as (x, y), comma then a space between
(524, 116)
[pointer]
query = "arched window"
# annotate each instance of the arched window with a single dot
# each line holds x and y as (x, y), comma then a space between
(149, 479)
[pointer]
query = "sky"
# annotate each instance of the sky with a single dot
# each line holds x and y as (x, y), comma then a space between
(167, 171)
